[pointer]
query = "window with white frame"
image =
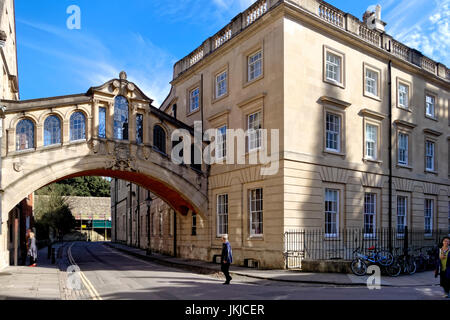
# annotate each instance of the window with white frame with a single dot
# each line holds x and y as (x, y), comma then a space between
(372, 82)
(429, 155)
(371, 141)
(402, 209)
(254, 131)
(256, 212)
(430, 102)
(403, 148)
(370, 210)
(254, 66)
(221, 144)
(333, 132)
(194, 99)
(333, 67)
(331, 212)
(429, 204)
(221, 84)
(403, 95)
(222, 214)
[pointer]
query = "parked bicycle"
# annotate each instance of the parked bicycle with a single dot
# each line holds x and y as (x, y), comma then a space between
(402, 263)
(359, 264)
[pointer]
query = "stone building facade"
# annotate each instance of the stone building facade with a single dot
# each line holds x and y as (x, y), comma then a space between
(347, 100)
(9, 90)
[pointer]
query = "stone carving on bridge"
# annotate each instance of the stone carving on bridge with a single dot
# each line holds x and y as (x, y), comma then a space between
(122, 159)
(18, 166)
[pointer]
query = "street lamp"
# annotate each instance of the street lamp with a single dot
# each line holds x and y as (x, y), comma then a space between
(148, 201)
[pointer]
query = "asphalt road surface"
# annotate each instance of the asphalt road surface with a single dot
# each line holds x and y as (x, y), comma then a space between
(109, 274)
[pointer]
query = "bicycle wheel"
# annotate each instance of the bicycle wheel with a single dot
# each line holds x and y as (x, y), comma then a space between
(385, 258)
(358, 267)
(411, 266)
(394, 269)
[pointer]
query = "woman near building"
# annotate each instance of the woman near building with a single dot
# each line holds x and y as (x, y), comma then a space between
(32, 249)
(443, 266)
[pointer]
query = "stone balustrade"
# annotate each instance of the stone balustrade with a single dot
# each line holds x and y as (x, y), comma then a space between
(331, 14)
(323, 11)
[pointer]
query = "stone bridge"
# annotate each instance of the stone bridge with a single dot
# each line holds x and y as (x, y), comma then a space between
(111, 130)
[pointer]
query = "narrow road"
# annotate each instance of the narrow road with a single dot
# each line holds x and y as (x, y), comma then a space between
(109, 274)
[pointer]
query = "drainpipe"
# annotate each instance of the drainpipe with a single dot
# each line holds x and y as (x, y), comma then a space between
(390, 151)
(2, 116)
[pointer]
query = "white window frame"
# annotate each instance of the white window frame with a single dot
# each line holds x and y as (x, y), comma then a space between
(222, 211)
(370, 211)
(428, 216)
(371, 142)
(430, 153)
(405, 94)
(252, 211)
(254, 66)
(333, 67)
(330, 212)
(403, 149)
(221, 143)
(336, 132)
(254, 127)
(221, 84)
(404, 214)
(371, 82)
(194, 99)
(430, 102)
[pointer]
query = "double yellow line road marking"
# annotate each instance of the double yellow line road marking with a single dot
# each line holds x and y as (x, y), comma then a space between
(92, 291)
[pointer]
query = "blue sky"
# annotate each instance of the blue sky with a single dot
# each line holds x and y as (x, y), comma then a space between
(146, 37)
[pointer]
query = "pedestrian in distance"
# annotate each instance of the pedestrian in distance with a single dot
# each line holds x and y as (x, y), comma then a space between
(32, 248)
(226, 259)
(443, 266)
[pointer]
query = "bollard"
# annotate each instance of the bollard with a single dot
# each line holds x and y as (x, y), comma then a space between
(53, 256)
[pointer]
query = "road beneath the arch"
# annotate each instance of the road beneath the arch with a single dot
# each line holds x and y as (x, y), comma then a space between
(115, 275)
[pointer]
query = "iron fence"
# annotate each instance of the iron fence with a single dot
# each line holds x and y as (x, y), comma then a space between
(316, 244)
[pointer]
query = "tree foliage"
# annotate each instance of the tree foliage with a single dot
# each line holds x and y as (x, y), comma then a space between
(79, 187)
(53, 213)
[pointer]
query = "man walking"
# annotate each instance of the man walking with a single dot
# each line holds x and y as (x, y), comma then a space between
(226, 258)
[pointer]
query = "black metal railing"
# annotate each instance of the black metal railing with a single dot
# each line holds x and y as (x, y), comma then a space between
(316, 244)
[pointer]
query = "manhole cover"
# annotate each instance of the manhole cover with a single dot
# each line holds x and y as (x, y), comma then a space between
(5, 274)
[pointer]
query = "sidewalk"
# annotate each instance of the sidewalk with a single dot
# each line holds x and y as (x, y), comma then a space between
(22, 282)
(296, 276)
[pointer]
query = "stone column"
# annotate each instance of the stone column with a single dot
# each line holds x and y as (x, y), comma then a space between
(95, 118)
(132, 123)
(110, 121)
(147, 127)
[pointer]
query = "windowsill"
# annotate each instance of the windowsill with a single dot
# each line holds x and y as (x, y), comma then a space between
(335, 153)
(334, 83)
(372, 96)
(431, 172)
(75, 142)
(372, 160)
(49, 147)
(404, 166)
(222, 97)
(23, 151)
(331, 237)
(257, 237)
(370, 237)
(431, 118)
(250, 82)
(404, 108)
(193, 112)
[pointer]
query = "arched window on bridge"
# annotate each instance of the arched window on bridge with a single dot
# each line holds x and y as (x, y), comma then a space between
(77, 127)
(25, 135)
(52, 131)
(121, 118)
(159, 139)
